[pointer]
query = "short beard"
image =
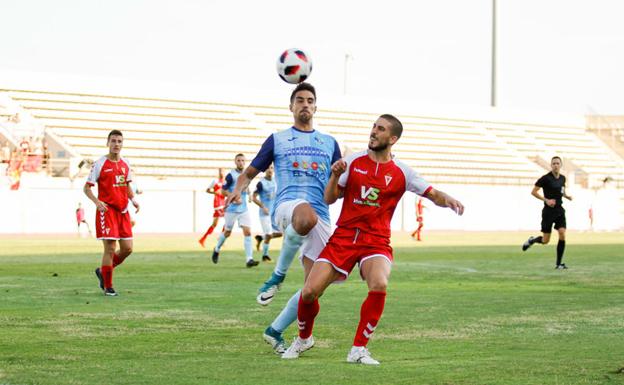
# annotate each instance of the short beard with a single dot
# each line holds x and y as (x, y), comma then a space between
(305, 118)
(378, 148)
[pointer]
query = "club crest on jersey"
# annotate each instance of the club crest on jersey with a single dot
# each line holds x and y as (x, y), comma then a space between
(388, 179)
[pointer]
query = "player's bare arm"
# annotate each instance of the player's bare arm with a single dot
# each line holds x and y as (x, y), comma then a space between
(566, 196)
(257, 201)
(442, 199)
(101, 206)
(536, 194)
(332, 191)
(241, 184)
(131, 197)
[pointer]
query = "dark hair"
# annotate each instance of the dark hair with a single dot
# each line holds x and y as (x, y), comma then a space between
(303, 87)
(239, 154)
(556, 157)
(397, 127)
(114, 132)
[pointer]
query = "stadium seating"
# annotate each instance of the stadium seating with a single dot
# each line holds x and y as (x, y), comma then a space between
(190, 138)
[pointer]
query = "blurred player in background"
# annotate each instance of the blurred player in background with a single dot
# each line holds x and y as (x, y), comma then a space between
(236, 211)
(302, 157)
(372, 183)
(80, 218)
(112, 175)
(218, 203)
(264, 197)
(419, 219)
(553, 213)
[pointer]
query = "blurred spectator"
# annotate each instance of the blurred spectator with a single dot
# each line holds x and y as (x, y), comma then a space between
(14, 118)
(5, 153)
(24, 145)
(45, 163)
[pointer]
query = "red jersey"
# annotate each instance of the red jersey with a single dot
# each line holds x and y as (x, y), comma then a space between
(112, 179)
(372, 191)
(80, 215)
(219, 200)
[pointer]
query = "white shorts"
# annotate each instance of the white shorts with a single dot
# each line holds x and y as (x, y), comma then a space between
(265, 221)
(242, 218)
(317, 238)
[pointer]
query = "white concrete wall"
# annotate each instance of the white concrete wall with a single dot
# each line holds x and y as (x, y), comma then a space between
(48, 206)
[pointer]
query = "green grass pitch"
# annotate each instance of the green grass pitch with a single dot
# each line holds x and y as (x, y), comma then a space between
(462, 308)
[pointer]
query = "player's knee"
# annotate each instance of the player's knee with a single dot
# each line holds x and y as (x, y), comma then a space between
(304, 219)
(227, 233)
(309, 294)
(378, 285)
(126, 251)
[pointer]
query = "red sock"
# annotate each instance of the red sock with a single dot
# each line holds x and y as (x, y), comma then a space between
(210, 230)
(306, 312)
(370, 313)
(107, 275)
(117, 260)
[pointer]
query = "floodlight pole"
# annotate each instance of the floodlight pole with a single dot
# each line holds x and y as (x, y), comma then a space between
(493, 80)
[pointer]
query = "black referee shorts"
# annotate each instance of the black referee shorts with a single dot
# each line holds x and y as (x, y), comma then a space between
(552, 216)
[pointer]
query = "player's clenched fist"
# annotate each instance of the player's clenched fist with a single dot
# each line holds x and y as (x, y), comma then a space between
(339, 167)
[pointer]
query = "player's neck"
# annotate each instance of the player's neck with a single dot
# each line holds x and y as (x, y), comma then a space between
(380, 156)
(556, 174)
(113, 157)
(303, 126)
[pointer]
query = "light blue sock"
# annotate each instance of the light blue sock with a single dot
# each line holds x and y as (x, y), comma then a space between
(288, 314)
(220, 242)
(292, 242)
(265, 249)
(248, 251)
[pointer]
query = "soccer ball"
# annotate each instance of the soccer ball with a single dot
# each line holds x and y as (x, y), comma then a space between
(294, 66)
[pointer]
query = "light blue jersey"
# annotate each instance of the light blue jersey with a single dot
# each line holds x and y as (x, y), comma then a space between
(302, 161)
(230, 183)
(266, 190)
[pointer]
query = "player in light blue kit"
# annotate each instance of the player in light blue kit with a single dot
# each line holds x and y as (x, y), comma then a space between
(264, 197)
(302, 157)
(236, 211)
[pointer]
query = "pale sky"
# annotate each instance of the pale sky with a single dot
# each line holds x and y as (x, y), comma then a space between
(563, 55)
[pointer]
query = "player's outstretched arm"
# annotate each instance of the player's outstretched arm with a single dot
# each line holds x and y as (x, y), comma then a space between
(332, 191)
(241, 184)
(442, 199)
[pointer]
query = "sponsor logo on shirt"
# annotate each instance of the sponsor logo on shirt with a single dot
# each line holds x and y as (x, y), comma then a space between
(360, 171)
(368, 197)
(108, 170)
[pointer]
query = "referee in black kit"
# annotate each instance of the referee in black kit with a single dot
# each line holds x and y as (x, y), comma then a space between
(553, 212)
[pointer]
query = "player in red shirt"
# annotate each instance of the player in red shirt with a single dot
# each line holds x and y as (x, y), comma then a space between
(216, 188)
(372, 184)
(80, 218)
(419, 219)
(112, 175)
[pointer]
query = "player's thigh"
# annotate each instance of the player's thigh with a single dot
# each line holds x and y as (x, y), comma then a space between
(265, 222)
(376, 272)
(283, 214)
(125, 245)
(547, 222)
(321, 276)
(316, 241)
(230, 220)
